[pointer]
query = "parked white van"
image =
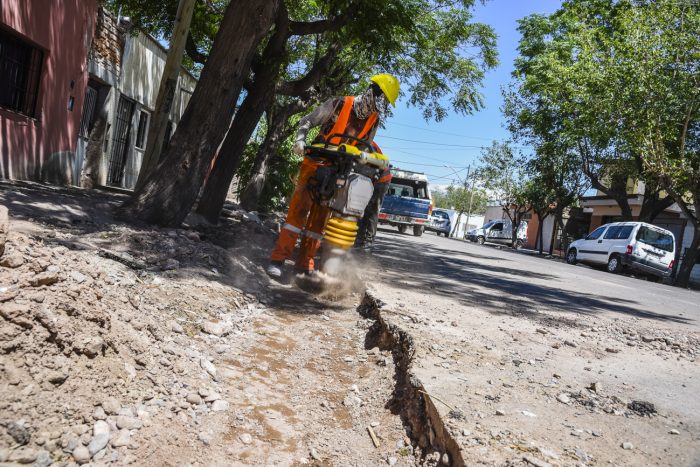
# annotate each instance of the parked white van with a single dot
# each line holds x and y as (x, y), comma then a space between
(632, 245)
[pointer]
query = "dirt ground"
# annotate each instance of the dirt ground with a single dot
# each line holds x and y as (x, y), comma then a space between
(135, 345)
(127, 344)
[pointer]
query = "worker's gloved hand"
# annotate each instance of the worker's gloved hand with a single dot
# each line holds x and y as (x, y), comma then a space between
(298, 148)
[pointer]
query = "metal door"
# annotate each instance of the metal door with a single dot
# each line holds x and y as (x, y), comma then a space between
(83, 135)
(120, 142)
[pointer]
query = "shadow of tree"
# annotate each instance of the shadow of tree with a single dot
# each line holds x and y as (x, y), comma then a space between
(498, 289)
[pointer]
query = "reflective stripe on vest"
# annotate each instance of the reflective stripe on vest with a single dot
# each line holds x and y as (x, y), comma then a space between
(341, 123)
(292, 228)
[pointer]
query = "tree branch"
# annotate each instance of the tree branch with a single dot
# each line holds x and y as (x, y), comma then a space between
(313, 76)
(193, 52)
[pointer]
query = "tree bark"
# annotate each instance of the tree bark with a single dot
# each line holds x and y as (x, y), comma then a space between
(259, 97)
(250, 197)
(691, 257)
(89, 177)
(166, 90)
(171, 189)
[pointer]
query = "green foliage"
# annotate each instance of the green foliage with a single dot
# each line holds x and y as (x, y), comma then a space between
(460, 199)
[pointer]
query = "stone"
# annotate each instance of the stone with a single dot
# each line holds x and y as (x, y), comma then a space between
(205, 438)
(193, 398)
(314, 454)
(500, 412)
(23, 456)
(12, 261)
(93, 346)
(528, 414)
(44, 278)
(445, 459)
(216, 329)
(98, 443)
(57, 377)
(674, 432)
(78, 277)
(170, 264)
(627, 445)
(176, 328)
(564, 398)
(246, 438)
(43, 459)
(18, 314)
(391, 460)
(123, 438)
(111, 406)
(81, 454)
(219, 406)
(99, 413)
(125, 422)
(569, 343)
(19, 433)
(648, 338)
(208, 367)
(100, 427)
(595, 387)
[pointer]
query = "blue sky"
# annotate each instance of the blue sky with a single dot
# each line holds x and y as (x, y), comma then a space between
(475, 130)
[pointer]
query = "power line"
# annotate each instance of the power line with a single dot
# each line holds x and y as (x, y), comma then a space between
(432, 143)
(428, 165)
(442, 132)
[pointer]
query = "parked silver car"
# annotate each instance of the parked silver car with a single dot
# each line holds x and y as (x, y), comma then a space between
(627, 245)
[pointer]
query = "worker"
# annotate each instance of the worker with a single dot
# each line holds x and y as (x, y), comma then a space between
(356, 116)
(367, 227)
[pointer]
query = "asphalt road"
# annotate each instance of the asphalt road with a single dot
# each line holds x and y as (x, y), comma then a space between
(498, 279)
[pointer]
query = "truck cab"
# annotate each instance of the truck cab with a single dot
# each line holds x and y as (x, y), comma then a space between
(407, 203)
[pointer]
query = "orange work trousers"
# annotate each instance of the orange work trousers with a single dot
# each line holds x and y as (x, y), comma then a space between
(304, 217)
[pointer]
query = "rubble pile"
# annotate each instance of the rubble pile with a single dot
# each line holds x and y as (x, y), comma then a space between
(99, 333)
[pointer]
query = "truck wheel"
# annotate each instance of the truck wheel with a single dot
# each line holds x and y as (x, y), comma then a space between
(614, 264)
(571, 256)
(480, 240)
(403, 228)
(417, 230)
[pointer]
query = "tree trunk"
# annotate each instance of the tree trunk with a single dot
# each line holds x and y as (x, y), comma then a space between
(89, 177)
(166, 90)
(558, 221)
(171, 189)
(691, 257)
(540, 234)
(259, 97)
(653, 205)
(250, 197)
(459, 217)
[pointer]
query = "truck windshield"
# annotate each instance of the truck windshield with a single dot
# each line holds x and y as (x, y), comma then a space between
(408, 188)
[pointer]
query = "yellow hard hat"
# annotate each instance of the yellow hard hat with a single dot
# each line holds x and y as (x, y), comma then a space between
(389, 86)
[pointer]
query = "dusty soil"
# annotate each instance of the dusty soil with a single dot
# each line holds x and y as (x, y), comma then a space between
(515, 381)
(133, 345)
(125, 344)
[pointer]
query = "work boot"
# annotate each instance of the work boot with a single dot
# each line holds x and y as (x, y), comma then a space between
(274, 269)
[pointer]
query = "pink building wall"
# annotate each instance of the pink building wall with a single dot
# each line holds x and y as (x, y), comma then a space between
(41, 147)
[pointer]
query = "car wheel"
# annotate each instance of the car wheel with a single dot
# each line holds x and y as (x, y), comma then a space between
(403, 228)
(480, 240)
(571, 256)
(614, 264)
(417, 230)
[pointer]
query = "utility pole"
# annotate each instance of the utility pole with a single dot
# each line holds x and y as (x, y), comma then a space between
(166, 90)
(471, 199)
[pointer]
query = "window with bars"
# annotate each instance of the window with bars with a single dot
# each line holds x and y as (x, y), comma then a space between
(142, 130)
(20, 74)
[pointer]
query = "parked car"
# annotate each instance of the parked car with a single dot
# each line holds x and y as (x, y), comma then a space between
(407, 202)
(499, 231)
(439, 223)
(627, 245)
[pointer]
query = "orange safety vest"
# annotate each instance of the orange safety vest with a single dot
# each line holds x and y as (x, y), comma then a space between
(341, 123)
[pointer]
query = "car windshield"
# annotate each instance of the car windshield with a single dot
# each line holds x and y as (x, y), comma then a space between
(408, 188)
(655, 238)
